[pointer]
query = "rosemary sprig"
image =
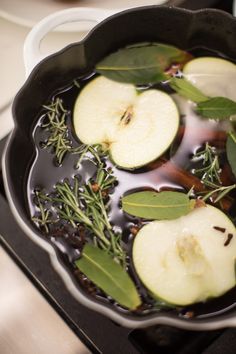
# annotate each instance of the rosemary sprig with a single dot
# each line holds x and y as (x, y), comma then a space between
(58, 139)
(97, 211)
(87, 205)
(94, 153)
(210, 173)
(43, 219)
(221, 192)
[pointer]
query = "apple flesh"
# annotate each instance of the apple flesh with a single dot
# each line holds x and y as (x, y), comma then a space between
(213, 76)
(187, 260)
(135, 127)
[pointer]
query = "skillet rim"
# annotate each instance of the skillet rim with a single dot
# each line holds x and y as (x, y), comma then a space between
(211, 323)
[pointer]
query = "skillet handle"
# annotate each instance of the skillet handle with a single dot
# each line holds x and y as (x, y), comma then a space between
(31, 51)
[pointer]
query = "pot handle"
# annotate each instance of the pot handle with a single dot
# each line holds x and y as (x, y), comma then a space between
(31, 50)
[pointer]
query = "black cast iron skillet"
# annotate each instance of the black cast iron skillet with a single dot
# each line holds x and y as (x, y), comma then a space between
(212, 29)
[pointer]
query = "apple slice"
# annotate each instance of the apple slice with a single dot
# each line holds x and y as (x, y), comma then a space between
(189, 259)
(135, 127)
(213, 76)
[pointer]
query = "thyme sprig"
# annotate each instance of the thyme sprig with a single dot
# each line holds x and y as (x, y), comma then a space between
(210, 173)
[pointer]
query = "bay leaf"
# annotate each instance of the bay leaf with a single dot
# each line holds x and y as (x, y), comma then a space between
(164, 205)
(145, 64)
(217, 108)
(186, 89)
(109, 276)
(231, 151)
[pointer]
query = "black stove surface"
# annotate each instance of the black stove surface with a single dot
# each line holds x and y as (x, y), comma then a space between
(100, 334)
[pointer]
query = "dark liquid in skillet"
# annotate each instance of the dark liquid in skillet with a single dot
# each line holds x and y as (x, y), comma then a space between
(44, 174)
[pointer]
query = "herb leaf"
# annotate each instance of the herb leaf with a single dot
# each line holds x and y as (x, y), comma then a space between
(56, 116)
(55, 123)
(141, 64)
(209, 172)
(94, 216)
(151, 205)
(217, 108)
(231, 151)
(85, 205)
(187, 90)
(108, 275)
(219, 192)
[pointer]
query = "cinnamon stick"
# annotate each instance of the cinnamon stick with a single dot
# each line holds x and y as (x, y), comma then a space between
(185, 179)
(216, 137)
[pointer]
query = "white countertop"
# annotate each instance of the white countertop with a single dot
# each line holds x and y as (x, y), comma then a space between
(31, 11)
(12, 72)
(28, 324)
